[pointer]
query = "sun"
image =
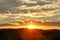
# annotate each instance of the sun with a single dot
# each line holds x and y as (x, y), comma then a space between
(31, 27)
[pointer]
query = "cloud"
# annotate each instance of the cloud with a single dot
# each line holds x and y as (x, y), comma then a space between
(6, 5)
(52, 0)
(56, 12)
(19, 9)
(15, 6)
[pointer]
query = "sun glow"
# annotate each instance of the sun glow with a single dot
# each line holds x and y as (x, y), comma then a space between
(31, 27)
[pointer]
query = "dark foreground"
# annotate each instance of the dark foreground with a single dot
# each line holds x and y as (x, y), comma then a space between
(28, 34)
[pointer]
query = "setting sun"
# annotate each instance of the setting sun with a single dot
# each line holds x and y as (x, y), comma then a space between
(31, 27)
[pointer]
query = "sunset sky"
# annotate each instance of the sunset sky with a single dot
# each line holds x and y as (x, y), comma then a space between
(25, 10)
(12, 10)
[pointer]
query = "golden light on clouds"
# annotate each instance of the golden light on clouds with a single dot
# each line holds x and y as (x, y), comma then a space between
(30, 25)
(33, 25)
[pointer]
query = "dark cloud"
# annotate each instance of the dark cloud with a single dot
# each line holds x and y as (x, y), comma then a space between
(53, 0)
(6, 5)
(49, 9)
(41, 3)
(53, 18)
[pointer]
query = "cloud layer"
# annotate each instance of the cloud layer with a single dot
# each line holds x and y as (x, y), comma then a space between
(29, 9)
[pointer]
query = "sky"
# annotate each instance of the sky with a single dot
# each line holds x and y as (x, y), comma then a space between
(22, 10)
